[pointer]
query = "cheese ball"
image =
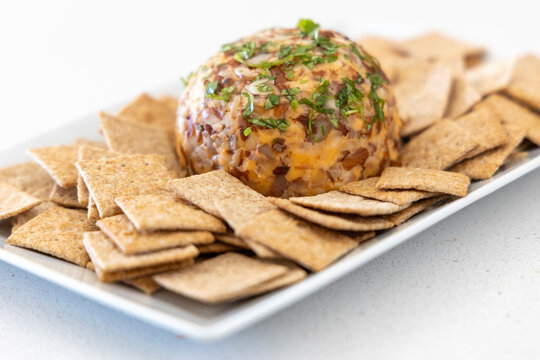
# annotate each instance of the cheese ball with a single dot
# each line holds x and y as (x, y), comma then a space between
(290, 112)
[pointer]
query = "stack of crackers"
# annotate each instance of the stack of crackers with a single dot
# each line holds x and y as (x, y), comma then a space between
(126, 209)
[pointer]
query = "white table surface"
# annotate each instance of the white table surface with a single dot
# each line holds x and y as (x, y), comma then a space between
(466, 288)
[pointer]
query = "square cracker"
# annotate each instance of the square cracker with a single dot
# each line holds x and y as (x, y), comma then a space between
(333, 221)
(292, 276)
(108, 179)
(524, 83)
(261, 250)
(166, 212)
(66, 197)
(439, 181)
(124, 275)
(436, 46)
(236, 212)
(23, 218)
(145, 284)
(132, 138)
(422, 92)
(511, 113)
(129, 241)
(490, 76)
(58, 232)
(483, 166)
(147, 110)
(90, 153)
(88, 142)
(340, 202)
(223, 278)
(462, 97)
(217, 248)
(14, 202)
(108, 258)
(231, 239)
(308, 245)
(206, 189)
(401, 216)
(93, 213)
(30, 178)
(170, 101)
(439, 147)
(368, 188)
(486, 128)
(59, 162)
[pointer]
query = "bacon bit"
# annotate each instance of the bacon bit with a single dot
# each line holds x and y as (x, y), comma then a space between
(279, 186)
(280, 170)
(279, 75)
(358, 157)
(209, 129)
(279, 145)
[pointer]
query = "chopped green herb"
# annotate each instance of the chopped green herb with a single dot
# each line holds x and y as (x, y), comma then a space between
(303, 81)
(264, 46)
(271, 101)
(284, 51)
(349, 99)
(211, 88)
(265, 88)
(224, 94)
(378, 106)
(247, 131)
(265, 75)
(228, 47)
(294, 104)
(310, 131)
(249, 106)
(323, 130)
(270, 123)
(376, 80)
(289, 75)
(186, 80)
(262, 64)
(245, 51)
(290, 93)
(308, 28)
(334, 121)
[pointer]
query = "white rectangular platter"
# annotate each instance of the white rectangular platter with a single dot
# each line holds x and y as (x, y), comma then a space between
(210, 322)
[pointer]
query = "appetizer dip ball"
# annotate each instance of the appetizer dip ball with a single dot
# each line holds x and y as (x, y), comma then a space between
(289, 112)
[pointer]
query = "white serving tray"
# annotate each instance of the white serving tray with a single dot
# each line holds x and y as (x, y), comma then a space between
(211, 322)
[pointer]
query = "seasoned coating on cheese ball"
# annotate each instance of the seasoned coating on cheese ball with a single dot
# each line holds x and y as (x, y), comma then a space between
(290, 112)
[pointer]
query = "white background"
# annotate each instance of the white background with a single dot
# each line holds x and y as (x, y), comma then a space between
(467, 288)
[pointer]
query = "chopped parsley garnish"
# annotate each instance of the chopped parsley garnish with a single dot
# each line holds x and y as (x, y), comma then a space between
(265, 88)
(349, 99)
(265, 75)
(224, 94)
(289, 75)
(308, 28)
(290, 93)
(376, 80)
(284, 51)
(186, 79)
(245, 51)
(264, 46)
(270, 123)
(227, 47)
(247, 131)
(249, 106)
(271, 101)
(378, 106)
